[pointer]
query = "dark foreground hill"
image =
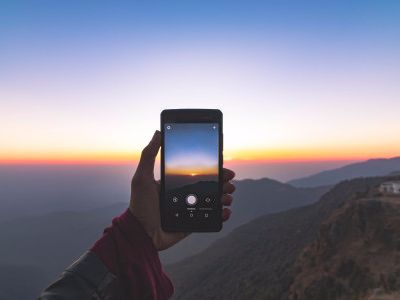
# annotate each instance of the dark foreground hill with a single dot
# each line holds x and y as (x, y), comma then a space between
(44, 246)
(20, 282)
(369, 168)
(257, 260)
(356, 256)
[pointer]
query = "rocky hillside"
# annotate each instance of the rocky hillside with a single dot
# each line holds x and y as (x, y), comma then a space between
(357, 254)
(257, 260)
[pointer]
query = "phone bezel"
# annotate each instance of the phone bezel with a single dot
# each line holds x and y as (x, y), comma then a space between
(191, 116)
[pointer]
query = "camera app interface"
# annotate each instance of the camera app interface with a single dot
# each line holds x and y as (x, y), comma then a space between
(191, 169)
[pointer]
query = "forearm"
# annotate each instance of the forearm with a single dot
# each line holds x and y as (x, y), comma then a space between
(87, 278)
(122, 264)
(129, 253)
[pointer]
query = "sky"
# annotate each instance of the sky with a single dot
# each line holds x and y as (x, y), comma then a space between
(191, 149)
(297, 81)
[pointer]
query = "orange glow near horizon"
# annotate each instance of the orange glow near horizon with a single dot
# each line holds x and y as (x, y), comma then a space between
(73, 158)
(231, 156)
(194, 171)
(303, 92)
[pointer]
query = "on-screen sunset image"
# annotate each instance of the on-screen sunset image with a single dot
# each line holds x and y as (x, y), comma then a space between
(191, 153)
(191, 149)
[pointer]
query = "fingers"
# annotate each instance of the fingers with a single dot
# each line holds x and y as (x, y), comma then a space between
(227, 199)
(147, 158)
(228, 174)
(226, 213)
(228, 188)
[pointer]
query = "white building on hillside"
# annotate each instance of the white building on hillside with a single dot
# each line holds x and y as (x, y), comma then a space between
(390, 187)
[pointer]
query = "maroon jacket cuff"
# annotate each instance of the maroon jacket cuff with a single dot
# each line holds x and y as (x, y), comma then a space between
(129, 253)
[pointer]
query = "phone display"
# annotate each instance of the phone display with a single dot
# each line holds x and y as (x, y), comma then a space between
(191, 170)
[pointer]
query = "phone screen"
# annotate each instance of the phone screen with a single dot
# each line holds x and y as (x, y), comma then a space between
(191, 169)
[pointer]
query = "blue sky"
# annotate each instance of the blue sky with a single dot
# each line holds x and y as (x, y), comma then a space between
(316, 78)
(34, 32)
(191, 148)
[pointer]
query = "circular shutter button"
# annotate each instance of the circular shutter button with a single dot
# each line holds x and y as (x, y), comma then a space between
(191, 199)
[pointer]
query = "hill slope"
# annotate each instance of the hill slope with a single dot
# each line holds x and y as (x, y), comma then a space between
(256, 261)
(369, 168)
(20, 282)
(356, 256)
(53, 241)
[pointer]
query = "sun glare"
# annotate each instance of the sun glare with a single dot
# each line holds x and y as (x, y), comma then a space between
(193, 174)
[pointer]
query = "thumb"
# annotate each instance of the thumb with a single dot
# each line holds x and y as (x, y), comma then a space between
(148, 156)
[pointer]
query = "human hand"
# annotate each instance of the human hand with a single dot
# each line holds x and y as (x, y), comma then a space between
(145, 193)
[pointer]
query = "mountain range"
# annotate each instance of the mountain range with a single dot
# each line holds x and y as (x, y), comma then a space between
(369, 168)
(255, 256)
(28, 190)
(258, 259)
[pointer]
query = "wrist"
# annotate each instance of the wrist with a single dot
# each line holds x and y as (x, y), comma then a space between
(150, 231)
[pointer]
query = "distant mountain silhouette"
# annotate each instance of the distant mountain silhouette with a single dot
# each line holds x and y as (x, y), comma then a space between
(177, 181)
(39, 189)
(257, 260)
(199, 185)
(369, 168)
(395, 173)
(48, 244)
(20, 282)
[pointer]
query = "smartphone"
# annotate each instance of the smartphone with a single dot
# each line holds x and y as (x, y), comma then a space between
(191, 170)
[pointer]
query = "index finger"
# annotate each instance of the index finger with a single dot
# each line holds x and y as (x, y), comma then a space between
(228, 174)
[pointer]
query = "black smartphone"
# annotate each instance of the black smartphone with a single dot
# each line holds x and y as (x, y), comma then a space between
(191, 170)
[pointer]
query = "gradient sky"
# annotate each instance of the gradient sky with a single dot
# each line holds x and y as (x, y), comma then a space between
(296, 80)
(191, 149)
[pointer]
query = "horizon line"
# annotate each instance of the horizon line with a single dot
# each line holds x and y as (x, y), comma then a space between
(133, 161)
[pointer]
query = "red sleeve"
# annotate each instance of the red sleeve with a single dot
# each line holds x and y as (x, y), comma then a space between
(129, 253)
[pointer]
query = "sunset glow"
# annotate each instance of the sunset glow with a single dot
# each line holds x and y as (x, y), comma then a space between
(231, 156)
(292, 87)
(193, 171)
